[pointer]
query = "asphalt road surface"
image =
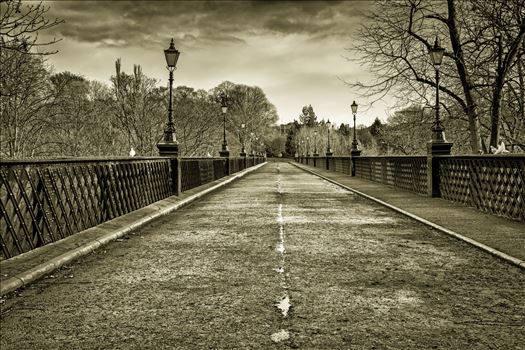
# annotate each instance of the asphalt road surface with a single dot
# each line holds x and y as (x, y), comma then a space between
(278, 259)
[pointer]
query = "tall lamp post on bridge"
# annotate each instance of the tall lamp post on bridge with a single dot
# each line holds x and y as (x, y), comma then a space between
(354, 152)
(224, 152)
(243, 132)
(354, 112)
(438, 145)
(169, 145)
(328, 148)
(308, 146)
(436, 56)
(315, 144)
(251, 143)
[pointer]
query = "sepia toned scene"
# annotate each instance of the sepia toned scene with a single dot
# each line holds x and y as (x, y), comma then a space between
(262, 174)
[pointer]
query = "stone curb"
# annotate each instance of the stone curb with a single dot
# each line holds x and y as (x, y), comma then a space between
(510, 259)
(28, 276)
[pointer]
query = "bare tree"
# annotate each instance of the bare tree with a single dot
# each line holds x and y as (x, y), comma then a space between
(196, 121)
(395, 44)
(25, 104)
(250, 106)
(138, 106)
(20, 25)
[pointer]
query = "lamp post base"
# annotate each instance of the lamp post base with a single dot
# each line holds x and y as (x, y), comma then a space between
(224, 153)
(354, 152)
(168, 149)
(242, 154)
(329, 153)
(434, 150)
(438, 135)
(439, 148)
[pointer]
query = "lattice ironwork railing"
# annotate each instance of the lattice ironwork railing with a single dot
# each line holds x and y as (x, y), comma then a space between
(320, 162)
(44, 201)
(340, 165)
(494, 184)
(259, 160)
(199, 171)
(406, 172)
(236, 164)
(330, 164)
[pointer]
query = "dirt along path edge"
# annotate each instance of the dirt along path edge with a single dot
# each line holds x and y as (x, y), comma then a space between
(131, 223)
(510, 259)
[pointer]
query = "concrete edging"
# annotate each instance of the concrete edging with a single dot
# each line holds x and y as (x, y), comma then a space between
(510, 259)
(28, 276)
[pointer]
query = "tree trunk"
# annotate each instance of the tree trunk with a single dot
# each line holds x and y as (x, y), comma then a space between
(471, 110)
(496, 98)
(504, 64)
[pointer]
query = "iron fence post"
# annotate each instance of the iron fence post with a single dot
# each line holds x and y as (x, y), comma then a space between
(434, 150)
(354, 153)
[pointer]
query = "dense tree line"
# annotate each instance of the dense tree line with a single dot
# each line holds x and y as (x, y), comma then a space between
(46, 114)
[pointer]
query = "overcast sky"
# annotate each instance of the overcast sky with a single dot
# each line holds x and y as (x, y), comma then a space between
(295, 51)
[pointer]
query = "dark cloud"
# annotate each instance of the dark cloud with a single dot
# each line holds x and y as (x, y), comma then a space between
(292, 26)
(150, 23)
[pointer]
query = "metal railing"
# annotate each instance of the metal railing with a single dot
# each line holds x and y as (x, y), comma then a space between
(492, 183)
(42, 201)
(406, 172)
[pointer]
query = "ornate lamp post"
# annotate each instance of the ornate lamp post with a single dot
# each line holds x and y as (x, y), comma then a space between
(328, 148)
(315, 144)
(251, 143)
(438, 145)
(169, 145)
(436, 56)
(354, 141)
(308, 146)
(354, 152)
(243, 131)
(224, 152)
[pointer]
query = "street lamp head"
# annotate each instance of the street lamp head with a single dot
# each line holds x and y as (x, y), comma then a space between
(315, 132)
(436, 54)
(243, 126)
(354, 107)
(172, 56)
(224, 103)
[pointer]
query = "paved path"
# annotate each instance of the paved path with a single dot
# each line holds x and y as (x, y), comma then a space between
(279, 259)
(505, 235)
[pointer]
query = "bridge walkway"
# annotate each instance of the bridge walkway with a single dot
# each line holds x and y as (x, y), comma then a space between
(280, 258)
(504, 235)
